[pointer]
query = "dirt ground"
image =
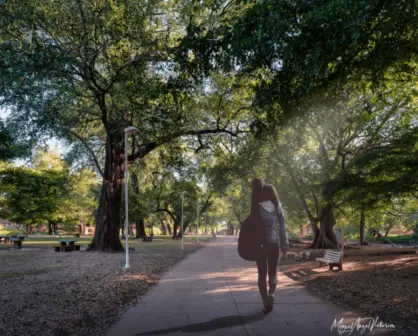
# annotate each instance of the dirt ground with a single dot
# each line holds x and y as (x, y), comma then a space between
(77, 293)
(378, 282)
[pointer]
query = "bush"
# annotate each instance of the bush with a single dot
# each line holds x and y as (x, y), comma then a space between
(77, 235)
(7, 230)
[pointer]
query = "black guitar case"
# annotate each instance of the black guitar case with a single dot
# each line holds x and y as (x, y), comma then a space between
(251, 237)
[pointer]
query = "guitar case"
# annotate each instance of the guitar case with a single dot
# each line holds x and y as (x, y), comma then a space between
(251, 237)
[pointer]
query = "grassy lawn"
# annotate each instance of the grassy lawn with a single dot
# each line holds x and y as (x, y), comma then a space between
(49, 242)
(78, 293)
(399, 239)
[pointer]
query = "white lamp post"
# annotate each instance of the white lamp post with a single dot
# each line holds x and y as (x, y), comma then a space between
(197, 220)
(182, 221)
(130, 129)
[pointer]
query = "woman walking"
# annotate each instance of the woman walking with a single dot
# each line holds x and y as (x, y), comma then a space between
(275, 240)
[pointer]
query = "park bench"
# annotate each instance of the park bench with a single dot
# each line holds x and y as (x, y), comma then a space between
(67, 248)
(333, 259)
(148, 239)
(17, 241)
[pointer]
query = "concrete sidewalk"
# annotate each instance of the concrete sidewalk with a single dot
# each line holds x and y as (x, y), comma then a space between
(214, 292)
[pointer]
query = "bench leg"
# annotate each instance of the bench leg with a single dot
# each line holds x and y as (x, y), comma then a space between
(331, 267)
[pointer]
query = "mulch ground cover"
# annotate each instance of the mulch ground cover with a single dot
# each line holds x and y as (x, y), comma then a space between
(375, 282)
(77, 293)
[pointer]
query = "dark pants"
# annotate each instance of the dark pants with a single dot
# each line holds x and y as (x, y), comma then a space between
(267, 263)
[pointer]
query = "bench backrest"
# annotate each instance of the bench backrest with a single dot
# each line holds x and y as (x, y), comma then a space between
(332, 255)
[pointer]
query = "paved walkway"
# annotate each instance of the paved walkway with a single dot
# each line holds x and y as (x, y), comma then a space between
(214, 292)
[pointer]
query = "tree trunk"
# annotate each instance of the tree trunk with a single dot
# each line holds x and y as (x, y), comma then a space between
(80, 229)
(49, 228)
(27, 229)
(325, 236)
(140, 228)
(139, 221)
(230, 228)
(303, 230)
(362, 226)
(108, 217)
(391, 223)
(30, 229)
(169, 229)
(175, 228)
(163, 227)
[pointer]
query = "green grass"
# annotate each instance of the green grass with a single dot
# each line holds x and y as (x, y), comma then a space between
(159, 241)
(401, 239)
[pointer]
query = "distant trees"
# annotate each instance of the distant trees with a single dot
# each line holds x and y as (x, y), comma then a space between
(47, 193)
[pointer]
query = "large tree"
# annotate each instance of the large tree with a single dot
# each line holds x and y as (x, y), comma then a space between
(85, 70)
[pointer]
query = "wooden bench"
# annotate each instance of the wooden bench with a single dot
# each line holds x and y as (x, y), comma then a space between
(333, 259)
(66, 248)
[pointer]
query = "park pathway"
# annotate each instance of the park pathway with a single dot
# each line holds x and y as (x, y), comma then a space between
(214, 292)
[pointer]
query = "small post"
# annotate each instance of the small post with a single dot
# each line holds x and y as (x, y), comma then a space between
(182, 220)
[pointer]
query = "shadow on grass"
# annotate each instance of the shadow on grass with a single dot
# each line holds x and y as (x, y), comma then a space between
(214, 324)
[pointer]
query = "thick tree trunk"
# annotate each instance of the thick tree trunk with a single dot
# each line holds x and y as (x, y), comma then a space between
(27, 228)
(140, 228)
(108, 217)
(163, 227)
(169, 229)
(175, 228)
(362, 226)
(139, 221)
(50, 228)
(325, 236)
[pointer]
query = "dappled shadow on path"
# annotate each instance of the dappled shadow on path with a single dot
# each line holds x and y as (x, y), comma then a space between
(217, 323)
(300, 273)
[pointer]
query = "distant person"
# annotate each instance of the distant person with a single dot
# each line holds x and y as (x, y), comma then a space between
(275, 240)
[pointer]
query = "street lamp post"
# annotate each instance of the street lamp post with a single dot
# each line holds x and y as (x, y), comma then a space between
(130, 129)
(182, 220)
(197, 220)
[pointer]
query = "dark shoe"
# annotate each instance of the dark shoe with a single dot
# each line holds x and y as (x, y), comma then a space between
(270, 302)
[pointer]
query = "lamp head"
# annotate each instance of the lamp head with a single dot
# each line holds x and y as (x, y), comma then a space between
(131, 129)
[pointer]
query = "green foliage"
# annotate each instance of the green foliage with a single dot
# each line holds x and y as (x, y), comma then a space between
(381, 174)
(30, 196)
(305, 45)
(10, 147)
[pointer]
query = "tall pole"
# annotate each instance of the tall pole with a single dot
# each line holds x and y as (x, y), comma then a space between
(182, 220)
(126, 202)
(129, 129)
(197, 220)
